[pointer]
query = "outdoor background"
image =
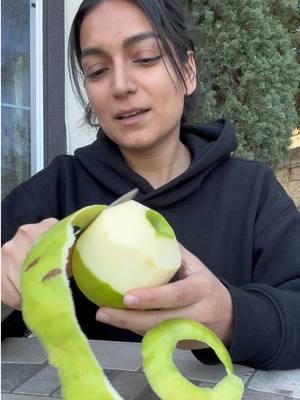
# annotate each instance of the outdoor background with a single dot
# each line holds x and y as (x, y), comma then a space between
(248, 54)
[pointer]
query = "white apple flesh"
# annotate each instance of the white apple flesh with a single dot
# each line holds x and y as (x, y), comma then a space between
(127, 246)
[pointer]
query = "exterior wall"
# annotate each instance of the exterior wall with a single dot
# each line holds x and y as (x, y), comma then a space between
(78, 135)
(296, 139)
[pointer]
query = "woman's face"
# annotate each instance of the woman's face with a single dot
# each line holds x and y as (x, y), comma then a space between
(137, 101)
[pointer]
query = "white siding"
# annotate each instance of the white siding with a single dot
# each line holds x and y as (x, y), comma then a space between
(78, 135)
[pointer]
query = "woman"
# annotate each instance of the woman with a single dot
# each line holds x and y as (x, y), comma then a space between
(239, 230)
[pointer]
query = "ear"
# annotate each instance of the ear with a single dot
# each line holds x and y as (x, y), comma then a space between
(190, 72)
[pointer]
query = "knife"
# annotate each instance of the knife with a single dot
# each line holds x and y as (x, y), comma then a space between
(125, 197)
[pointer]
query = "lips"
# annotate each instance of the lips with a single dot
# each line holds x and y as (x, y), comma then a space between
(124, 114)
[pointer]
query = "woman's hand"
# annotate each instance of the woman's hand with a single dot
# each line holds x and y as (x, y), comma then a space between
(13, 254)
(198, 295)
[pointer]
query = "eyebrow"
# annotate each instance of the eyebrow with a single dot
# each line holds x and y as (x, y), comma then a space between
(128, 42)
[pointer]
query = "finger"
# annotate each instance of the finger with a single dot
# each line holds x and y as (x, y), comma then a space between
(186, 269)
(9, 293)
(13, 252)
(30, 232)
(12, 255)
(172, 295)
(18, 247)
(25, 237)
(47, 223)
(138, 321)
(189, 259)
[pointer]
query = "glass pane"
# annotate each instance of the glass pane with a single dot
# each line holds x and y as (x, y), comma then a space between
(15, 82)
(15, 61)
(15, 149)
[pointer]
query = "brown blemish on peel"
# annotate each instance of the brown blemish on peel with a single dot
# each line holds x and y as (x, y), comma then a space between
(69, 262)
(51, 274)
(32, 264)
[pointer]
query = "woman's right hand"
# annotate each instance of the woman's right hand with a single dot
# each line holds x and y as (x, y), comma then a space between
(13, 254)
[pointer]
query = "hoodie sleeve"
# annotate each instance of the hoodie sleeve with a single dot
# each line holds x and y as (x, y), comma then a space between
(41, 196)
(28, 203)
(18, 208)
(267, 310)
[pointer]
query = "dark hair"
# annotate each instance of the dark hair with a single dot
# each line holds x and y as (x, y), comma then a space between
(167, 22)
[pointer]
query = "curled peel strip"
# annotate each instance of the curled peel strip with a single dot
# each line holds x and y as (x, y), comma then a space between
(48, 310)
(167, 382)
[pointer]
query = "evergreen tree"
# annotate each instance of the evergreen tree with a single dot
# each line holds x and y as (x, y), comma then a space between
(289, 13)
(248, 71)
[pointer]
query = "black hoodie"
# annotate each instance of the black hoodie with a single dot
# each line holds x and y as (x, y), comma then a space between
(230, 212)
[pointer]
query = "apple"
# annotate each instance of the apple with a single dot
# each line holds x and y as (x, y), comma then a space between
(127, 246)
(48, 308)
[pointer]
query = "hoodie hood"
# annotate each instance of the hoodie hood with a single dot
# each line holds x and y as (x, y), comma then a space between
(209, 145)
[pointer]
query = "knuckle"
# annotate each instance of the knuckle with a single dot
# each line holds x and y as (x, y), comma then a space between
(8, 256)
(11, 255)
(49, 221)
(8, 248)
(45, 225)
(25, 230)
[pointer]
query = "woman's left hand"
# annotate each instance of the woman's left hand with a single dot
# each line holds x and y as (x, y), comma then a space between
(198, 295)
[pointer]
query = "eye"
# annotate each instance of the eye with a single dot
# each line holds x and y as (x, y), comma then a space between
(147, 60)
(94, 75)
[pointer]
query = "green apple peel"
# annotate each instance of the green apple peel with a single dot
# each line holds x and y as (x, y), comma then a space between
(48, 308)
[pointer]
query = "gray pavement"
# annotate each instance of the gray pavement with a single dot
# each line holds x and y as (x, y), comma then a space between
(26, 374)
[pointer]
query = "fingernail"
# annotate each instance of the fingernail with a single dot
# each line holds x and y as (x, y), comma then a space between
(130, 300)
(102, 317)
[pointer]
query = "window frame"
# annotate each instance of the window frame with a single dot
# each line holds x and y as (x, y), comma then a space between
(54, 79)
(49, 96)
(36, 86)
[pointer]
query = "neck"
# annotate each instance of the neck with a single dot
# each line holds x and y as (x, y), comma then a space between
(160, 165)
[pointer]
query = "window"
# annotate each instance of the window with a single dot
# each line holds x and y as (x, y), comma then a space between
(21, 106)
(32, 98)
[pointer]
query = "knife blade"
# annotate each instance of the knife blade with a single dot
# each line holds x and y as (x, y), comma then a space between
(125, 197)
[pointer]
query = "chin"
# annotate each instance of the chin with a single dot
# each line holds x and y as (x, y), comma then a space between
(137, 142)
(137, 146)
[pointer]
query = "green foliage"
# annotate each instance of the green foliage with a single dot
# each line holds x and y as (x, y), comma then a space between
(248, 70)
(289, 14)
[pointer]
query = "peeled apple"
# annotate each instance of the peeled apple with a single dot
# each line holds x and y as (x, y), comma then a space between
(48, 308)
(127, 246)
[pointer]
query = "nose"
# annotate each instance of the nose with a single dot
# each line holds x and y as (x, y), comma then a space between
(123, 81)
